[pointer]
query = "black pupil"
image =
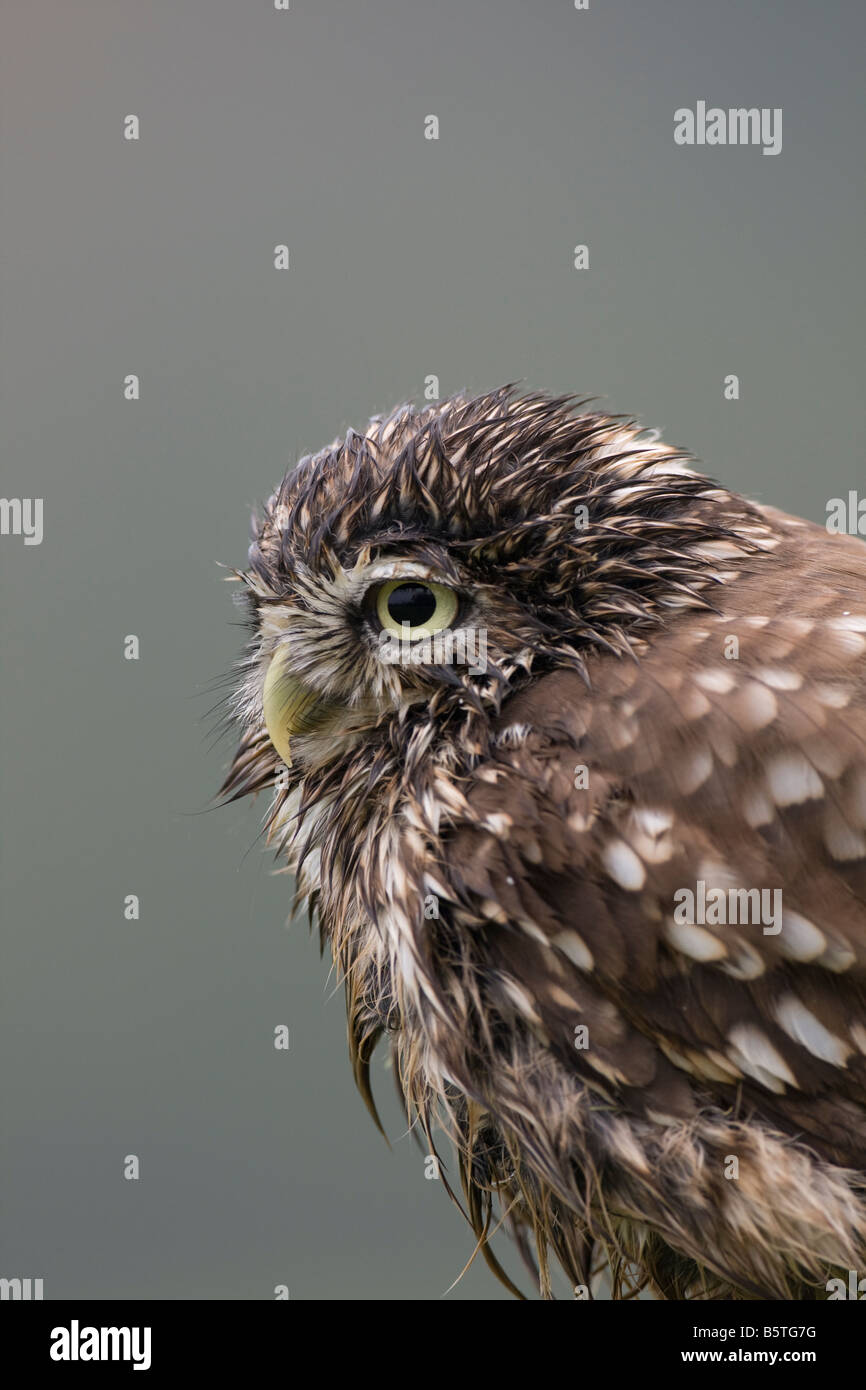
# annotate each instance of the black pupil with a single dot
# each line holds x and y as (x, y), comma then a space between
(411, 603)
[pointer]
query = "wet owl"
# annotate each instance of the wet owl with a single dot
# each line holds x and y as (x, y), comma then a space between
(565, 745)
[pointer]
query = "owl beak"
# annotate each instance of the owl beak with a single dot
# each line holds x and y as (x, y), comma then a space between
(290, 707)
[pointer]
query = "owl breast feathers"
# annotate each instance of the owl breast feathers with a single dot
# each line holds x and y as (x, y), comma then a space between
(566, 747)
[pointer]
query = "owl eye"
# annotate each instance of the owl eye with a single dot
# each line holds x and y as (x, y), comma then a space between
(426, 606)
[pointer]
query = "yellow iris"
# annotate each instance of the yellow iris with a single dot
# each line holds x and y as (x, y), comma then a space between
(426, 606)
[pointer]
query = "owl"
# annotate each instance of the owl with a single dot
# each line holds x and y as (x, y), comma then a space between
(565, 746)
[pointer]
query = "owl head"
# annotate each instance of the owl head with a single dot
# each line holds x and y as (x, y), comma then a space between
(411, 577)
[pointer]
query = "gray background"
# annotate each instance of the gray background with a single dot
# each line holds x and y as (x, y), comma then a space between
(408, 257)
